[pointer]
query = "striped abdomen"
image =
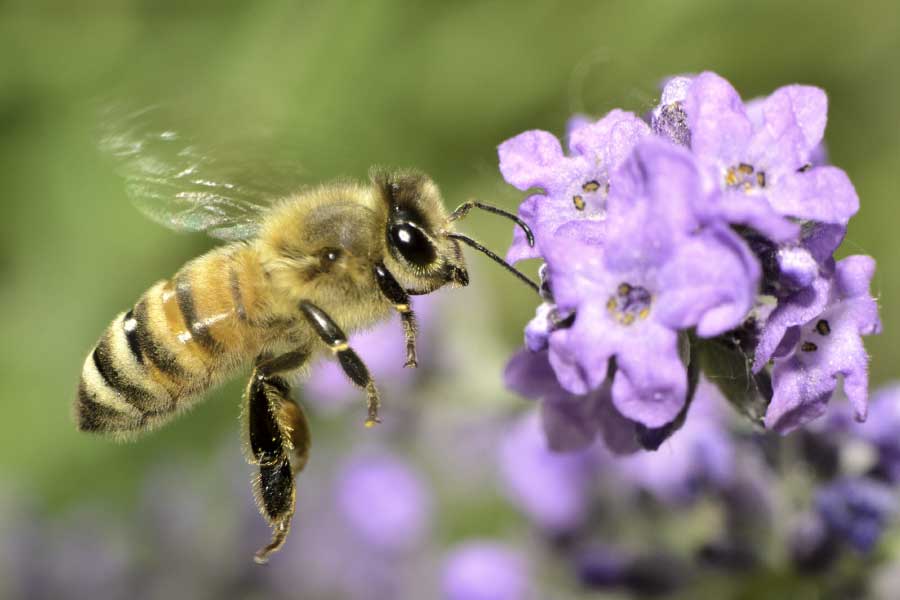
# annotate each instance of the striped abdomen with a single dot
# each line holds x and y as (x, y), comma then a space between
(182, 337)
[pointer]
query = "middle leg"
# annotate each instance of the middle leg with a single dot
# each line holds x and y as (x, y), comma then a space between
(353, 366)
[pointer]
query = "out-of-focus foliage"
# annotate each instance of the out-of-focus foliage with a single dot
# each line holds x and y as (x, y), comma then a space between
(337, 87)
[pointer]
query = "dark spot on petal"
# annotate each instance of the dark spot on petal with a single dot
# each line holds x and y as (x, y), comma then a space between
(823, 327)
(805, 168)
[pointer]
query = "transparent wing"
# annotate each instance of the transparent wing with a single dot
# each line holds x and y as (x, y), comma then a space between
(176, 182)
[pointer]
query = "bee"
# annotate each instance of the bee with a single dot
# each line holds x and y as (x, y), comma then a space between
(295, 278)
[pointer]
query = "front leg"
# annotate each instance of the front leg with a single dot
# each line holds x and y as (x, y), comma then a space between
(353, 366)
(400, 299)
(279, 443)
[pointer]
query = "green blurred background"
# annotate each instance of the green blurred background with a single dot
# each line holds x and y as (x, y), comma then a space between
(335, 87)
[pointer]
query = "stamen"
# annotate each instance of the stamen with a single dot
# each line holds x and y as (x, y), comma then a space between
(629, 304)
(579, 202)
(823, 327)
(809, 347)
(591, 186)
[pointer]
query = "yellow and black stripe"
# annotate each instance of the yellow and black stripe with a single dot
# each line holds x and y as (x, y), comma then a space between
(181, 337)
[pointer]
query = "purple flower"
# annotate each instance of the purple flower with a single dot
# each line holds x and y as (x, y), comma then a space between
(698, 456)
(758, 165)
(880, 430)
(571, 421)
(550, 487)
(658, 273)
(825, 347)
(482, 570)
(857, 510)
(574, 187)
(384, 501)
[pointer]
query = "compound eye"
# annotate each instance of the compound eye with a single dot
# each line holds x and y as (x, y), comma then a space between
(412, 244)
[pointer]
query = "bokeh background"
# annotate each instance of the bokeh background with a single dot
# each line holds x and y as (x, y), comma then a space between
(332, 88)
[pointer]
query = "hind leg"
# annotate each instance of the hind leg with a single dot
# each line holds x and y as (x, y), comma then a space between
(279, 444)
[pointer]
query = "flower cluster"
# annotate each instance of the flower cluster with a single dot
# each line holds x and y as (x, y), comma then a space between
(698, 238)
(715, 500)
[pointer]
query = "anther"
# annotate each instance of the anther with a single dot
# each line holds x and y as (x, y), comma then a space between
(809, 347)
(823, 327)
(591, 186)
(745, 169)
(761, 179)
(578, 201)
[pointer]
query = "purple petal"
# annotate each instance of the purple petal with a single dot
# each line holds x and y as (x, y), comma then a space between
(854, 275)
(529, 374)
(571, 422)
(387, 487)
(822, 240)
(569, 365)
(753, 210)
(531, 159)
(650, 385)
(797, 113)
(482, 570)
(823, 194)
(550, 487)
(796, 309)
(718, 122)
(711, 283)
(610, 140)
(797, 267)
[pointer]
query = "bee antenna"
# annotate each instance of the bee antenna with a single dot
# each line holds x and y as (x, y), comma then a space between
(463, 209)
(472, 243)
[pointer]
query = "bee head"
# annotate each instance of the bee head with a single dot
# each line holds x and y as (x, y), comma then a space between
(424, 258)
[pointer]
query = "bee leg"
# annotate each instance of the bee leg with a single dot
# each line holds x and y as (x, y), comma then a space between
(397, 296)
(279, 442)
(352, 364)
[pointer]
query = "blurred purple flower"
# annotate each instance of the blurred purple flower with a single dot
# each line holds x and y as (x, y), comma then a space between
(698, 457)
(384, 501)
(857, 510)
(574, 187)
(570, 421)
(550, 487)
(825, 347)
(485, 570)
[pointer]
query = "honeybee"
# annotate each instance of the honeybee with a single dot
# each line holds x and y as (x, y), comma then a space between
(298, 274)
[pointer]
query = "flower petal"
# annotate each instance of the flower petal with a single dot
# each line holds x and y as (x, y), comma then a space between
(650, 385)
(610, 140)
(711, 283)
(718, 122)
(823, 194)
(532, 159)
(797, 113)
